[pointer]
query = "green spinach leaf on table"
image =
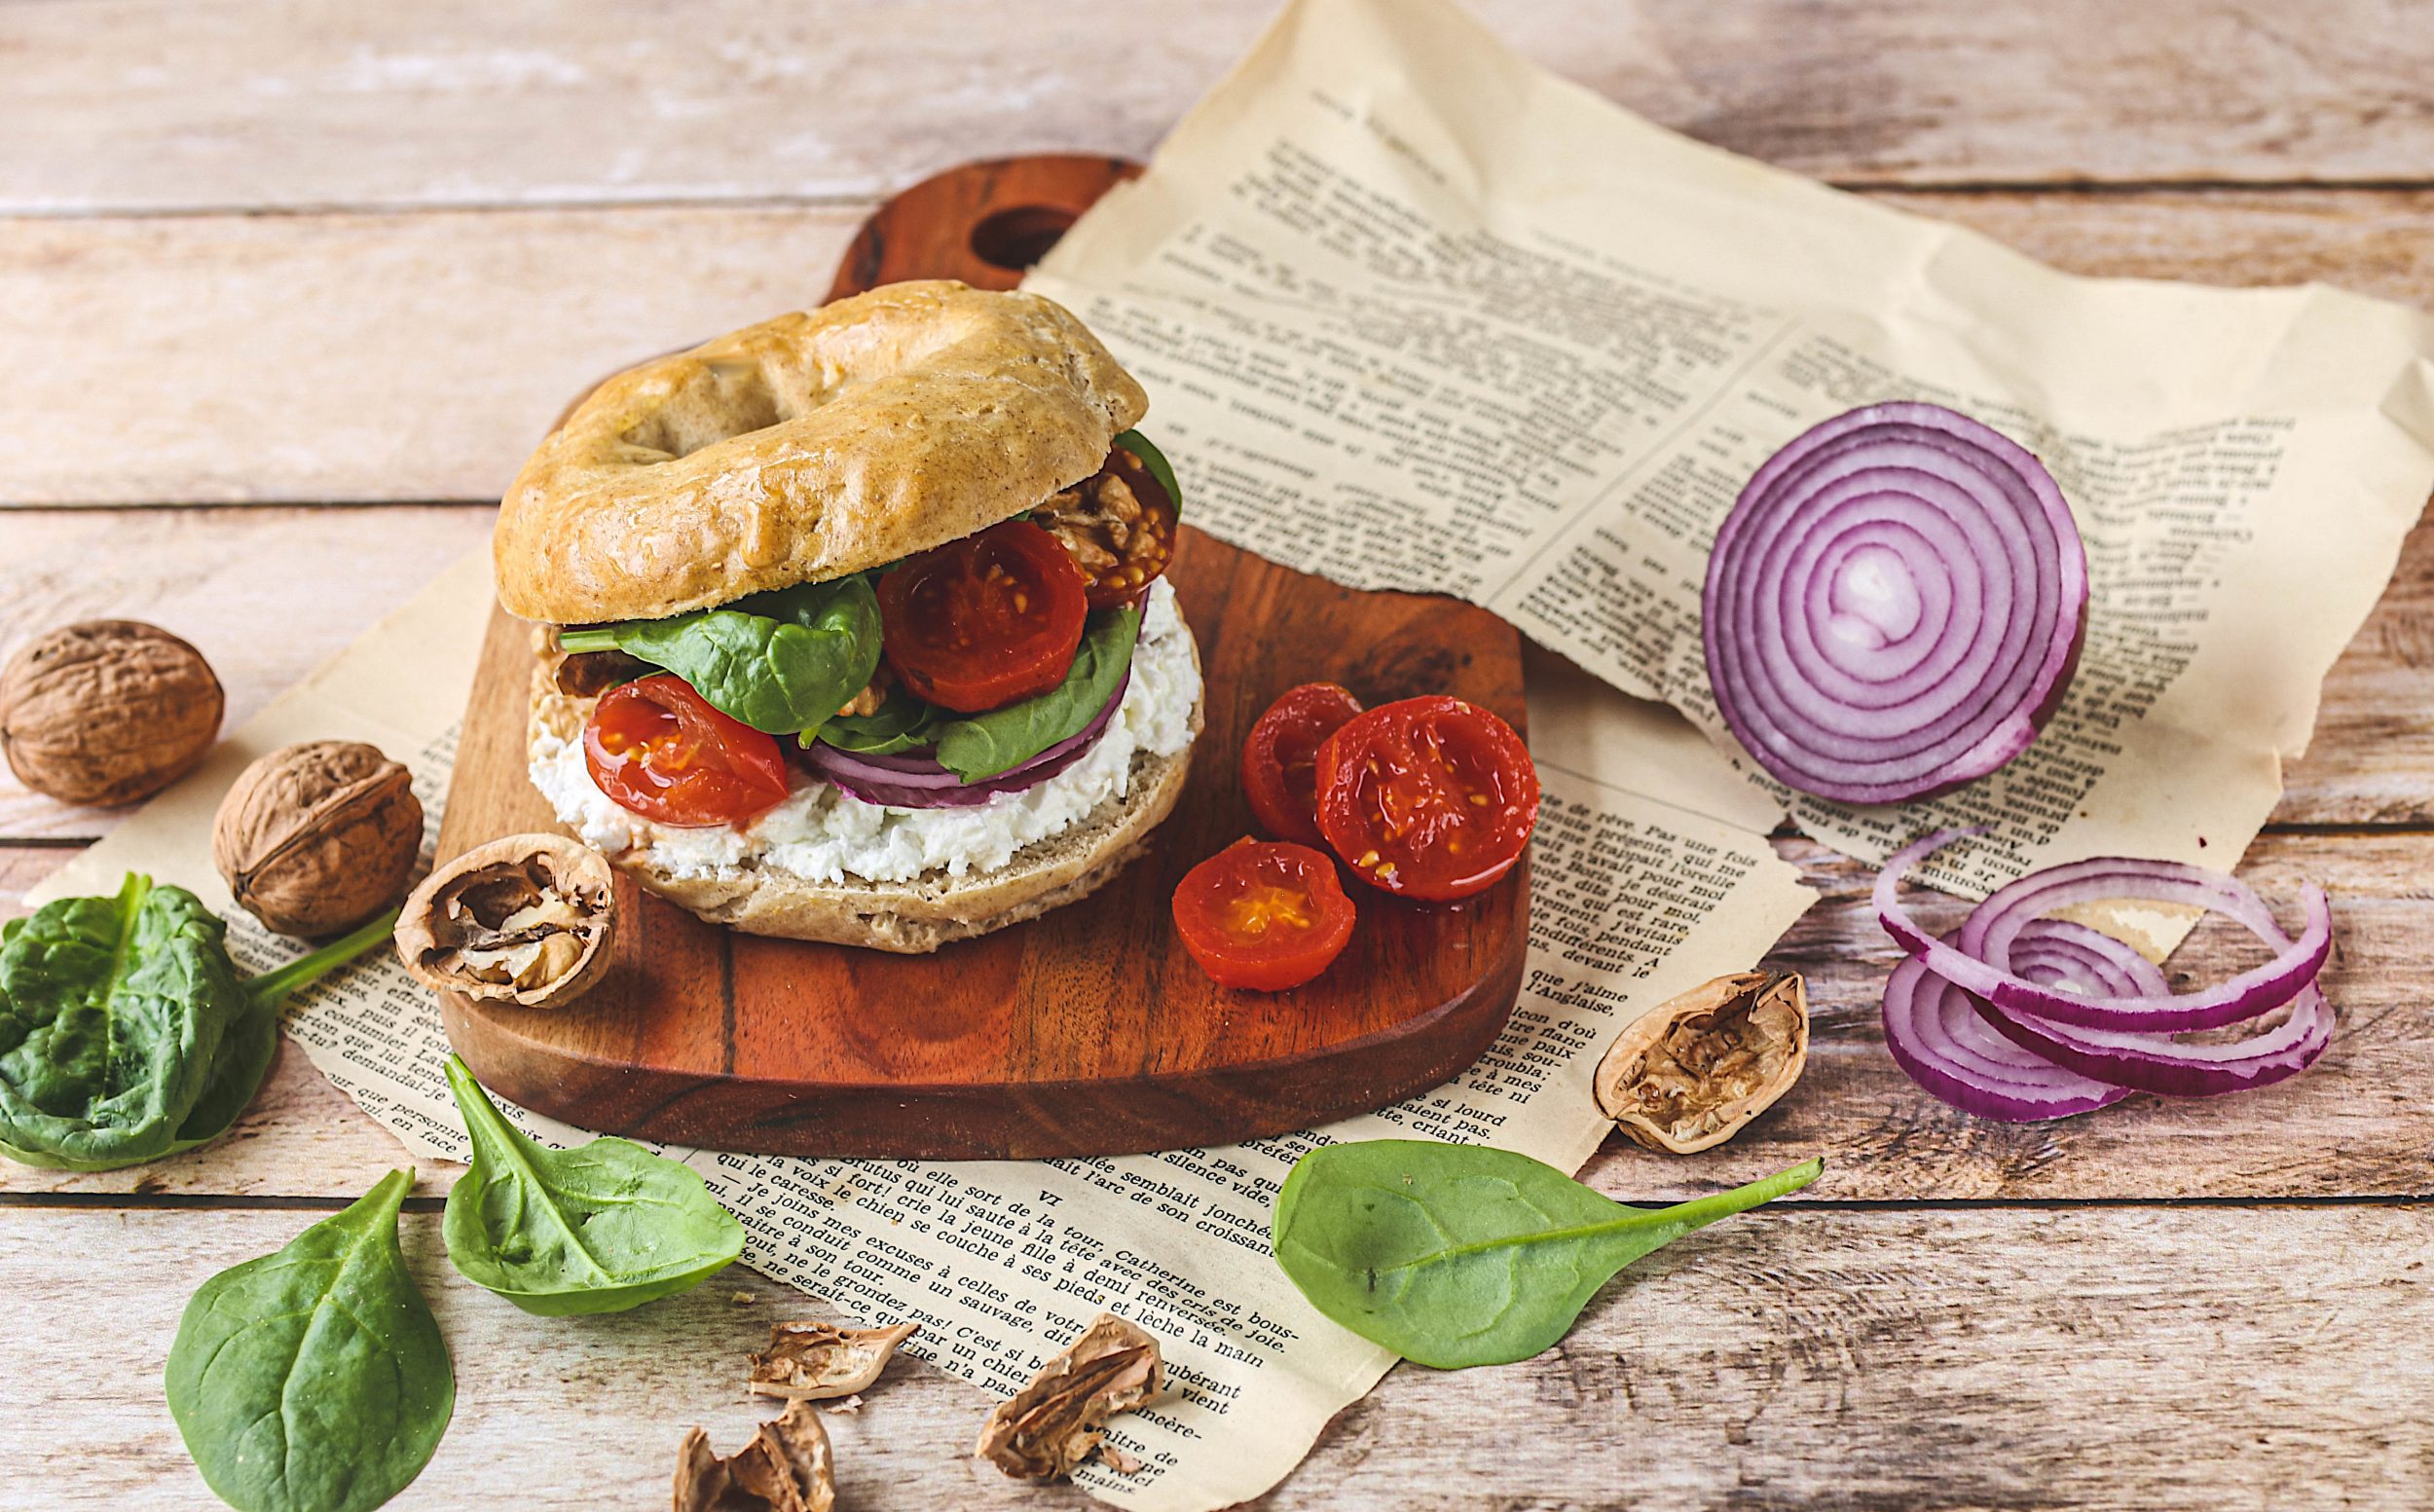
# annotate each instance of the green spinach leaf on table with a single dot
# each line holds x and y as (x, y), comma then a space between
(600, 1228)
(975, 747)
(1458, 1255)
(124, 1033)
(783, 662)
(315, 1379)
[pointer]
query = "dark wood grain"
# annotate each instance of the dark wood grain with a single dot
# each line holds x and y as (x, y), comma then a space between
(1088, 1031)
(985, 223)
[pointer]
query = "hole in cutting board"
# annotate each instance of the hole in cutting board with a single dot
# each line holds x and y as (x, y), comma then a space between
(1019, 236)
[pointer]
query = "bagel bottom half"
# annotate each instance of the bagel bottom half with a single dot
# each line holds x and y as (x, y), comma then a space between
(919, 915)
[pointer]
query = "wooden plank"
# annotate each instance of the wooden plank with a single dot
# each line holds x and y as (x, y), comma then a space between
(267, 594)
(354, 357)
(307, 358)
(1894, 1360)
(139, 105)
(2358, 1125)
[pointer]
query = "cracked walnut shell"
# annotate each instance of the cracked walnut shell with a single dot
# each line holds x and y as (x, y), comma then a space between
(317, 838)
(787, 1467)
(815, 1361)
(523, 920)
(1051, 1426)
(107, 711)
(1693, 1071)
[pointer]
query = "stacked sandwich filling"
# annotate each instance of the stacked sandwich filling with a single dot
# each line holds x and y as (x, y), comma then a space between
(820, 833)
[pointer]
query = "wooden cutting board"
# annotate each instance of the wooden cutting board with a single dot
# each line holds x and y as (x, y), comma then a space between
(1088, 1031)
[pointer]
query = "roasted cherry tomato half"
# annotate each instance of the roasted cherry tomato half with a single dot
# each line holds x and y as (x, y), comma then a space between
(1427, 797)
(1280, 759)
(987, 621)
(1119, 525)
(659, 749)
(1263, 914)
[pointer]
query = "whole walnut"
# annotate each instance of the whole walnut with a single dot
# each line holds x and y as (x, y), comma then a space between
(318, 837)
(107, 711)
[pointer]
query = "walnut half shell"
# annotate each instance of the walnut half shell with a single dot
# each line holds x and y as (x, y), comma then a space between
(523, 920)
(1693, 1071)
(1058, 1422)
(815, 1361)
(787, 1467)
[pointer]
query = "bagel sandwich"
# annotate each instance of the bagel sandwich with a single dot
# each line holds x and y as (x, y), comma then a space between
(852, 625)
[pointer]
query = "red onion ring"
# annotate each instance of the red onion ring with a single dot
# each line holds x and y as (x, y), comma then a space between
(912, 780)
(1935, 1033)
(1988, 935)
(1894, 604)
(2072, 1062)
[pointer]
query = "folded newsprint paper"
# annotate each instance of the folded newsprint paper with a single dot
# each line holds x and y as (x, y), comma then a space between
(1417, 315)
(1651, 874)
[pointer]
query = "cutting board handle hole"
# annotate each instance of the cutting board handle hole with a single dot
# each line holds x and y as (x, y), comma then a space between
(1019, 236)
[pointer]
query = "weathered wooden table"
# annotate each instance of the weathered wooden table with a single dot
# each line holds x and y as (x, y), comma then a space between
(342, 262)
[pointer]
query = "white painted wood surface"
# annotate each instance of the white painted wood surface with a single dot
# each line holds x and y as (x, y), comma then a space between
(479, 206)
(1991, 1357)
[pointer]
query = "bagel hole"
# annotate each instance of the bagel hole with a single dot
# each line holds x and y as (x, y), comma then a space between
(717, 402)
(1015, 238)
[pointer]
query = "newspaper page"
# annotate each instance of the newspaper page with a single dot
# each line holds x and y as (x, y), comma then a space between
(1418, 315)
(1650, 874)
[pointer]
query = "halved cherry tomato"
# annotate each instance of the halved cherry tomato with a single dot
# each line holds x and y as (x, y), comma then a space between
(1280, 759)
(1427, 797)
(659, 749)
(985, 621)
(1122, 537)
(1263, 914)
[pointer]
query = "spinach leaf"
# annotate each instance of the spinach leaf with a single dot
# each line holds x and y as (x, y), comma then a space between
(125, 1034)
(783, 662)
(902, 723)
(1455, 1255)
(111, 1012)
(315, 1379)
(600, 1228)
(979, 746)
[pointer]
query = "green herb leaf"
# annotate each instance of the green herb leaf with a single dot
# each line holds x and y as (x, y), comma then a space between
(600, 1228)
(112, 1010)
(976, 745)
(783, 662)
(315, 1379)
(1456, 1255)
(902, 723)
(125, 1034)
(979, 746)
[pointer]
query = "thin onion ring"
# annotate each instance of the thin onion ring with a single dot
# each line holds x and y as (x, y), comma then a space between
(1991, 928)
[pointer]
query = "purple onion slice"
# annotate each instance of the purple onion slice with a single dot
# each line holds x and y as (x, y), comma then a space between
(907, 780)
(1966, 961)
(1894, 604)
(1936, 1034)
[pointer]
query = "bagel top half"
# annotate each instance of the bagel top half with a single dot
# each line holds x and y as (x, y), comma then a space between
(805, 448)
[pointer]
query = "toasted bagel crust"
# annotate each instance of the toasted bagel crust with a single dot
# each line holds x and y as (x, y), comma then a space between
(804, 448)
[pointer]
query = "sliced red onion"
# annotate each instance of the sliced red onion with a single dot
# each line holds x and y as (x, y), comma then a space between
(2056, 960)
(1935, 1033)
(1894, 604)
(914, 780)
(1988, 935)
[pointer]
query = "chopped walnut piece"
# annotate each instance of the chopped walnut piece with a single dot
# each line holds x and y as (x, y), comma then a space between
(1118, 542)
(1056, 1421)
(784, 1469)
(526, 920)
(1693, 1071)
(812, 1361)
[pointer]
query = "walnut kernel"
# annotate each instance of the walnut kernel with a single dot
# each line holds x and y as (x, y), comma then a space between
(317, 838)
(107, 711)
(524, 920)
